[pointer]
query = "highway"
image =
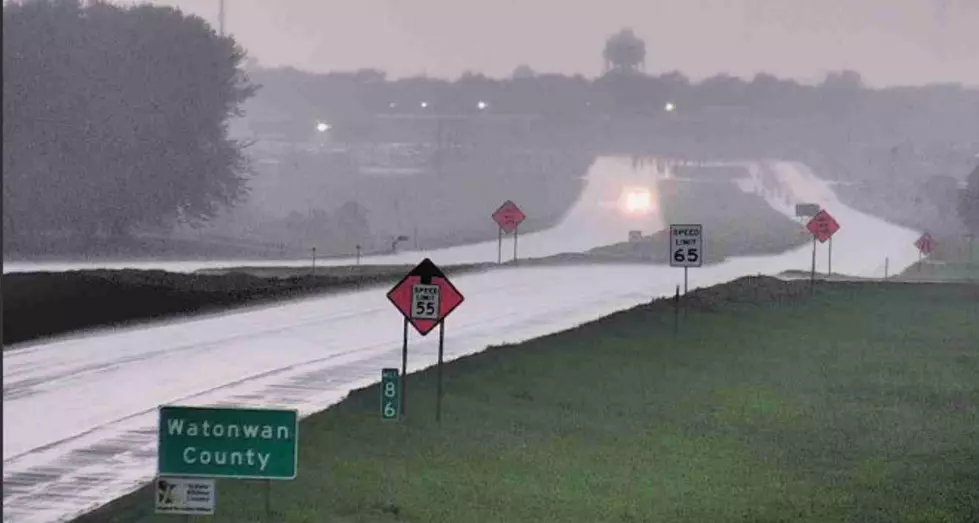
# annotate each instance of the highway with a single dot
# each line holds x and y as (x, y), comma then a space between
(80, 412)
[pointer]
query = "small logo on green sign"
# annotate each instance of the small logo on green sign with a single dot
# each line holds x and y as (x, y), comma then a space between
(390, 394)
(229, 443)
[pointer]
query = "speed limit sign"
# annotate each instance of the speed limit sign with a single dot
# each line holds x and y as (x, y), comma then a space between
(425, 302)
(686, 245)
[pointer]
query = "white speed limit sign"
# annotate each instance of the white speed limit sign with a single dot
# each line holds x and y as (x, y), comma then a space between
(686, 245)
(425, 302)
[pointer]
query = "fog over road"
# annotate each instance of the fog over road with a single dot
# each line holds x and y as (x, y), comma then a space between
(596, 219)
(80, 412)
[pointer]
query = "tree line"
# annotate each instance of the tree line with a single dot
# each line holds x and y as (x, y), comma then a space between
(969, 203)
(115, 118)
(886, 117)
(917, 141)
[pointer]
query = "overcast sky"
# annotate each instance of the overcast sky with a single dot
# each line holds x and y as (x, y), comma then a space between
(888, 41)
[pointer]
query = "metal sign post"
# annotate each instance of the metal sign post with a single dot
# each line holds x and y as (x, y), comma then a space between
(829, 270)
(438, 393)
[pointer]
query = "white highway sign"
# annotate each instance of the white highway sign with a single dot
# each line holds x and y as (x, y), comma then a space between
(686, 245)
(425, 302)
(190, 496)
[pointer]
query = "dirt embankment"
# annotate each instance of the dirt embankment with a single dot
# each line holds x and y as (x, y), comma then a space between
(41, 304)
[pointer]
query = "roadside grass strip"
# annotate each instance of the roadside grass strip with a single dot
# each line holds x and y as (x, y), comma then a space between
(859, 403)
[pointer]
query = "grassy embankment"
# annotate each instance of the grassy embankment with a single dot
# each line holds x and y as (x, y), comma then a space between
(37, 305)
(860, 403)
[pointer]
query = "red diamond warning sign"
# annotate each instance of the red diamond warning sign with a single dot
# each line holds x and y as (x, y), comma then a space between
(925, 244)
(823, 226)
(425, 297)
(508, 216)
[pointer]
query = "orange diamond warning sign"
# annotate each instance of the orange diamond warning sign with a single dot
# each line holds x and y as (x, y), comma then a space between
(823, 226)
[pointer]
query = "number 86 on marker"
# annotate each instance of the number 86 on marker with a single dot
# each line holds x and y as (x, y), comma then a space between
(390, 394)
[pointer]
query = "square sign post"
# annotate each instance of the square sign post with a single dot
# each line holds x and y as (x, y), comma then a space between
(390, 405)
(425, 297)
(686, 248)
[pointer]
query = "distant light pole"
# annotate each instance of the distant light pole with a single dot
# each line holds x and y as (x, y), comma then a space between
(221, 17)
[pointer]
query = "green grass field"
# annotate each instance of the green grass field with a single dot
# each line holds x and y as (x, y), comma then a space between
(860, 404)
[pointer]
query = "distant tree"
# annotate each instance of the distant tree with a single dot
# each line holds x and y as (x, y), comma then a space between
(523, 71)
(843, 80)
(969, 203)
(353, 225)
(369, 76)
(624, 52)
(942, 192)
(117, 117)
(722, 89)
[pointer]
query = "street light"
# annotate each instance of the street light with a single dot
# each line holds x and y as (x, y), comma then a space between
(482, 105)
(322, 127)
(424, 105)
(670, 107)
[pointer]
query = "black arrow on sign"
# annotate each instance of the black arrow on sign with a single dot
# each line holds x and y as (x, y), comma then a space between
(426, 270)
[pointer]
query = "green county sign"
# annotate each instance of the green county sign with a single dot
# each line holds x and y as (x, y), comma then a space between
(228, 443)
